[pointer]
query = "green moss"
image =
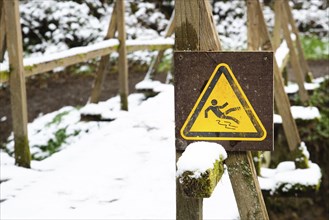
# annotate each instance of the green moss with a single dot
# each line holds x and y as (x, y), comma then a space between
(60, 61)
(246, 171)
(301, 161)
(4, 75)
(124, 102)
(82, 55)
(293, 189)
(29, 68)
(315, 48)
(22, 152)
(53, 144)
(309, 77)
(58, 118)
(166, 63)
(203, 186)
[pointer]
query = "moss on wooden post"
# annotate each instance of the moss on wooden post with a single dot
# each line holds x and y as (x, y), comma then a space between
(201, 186)
(246, 187)
(124, 101)
(301, 157)
(22, 152)
(4, 76)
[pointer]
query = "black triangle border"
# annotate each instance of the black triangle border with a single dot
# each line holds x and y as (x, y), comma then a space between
(234, 135)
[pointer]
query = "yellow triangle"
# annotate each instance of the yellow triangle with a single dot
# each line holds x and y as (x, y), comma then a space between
(223, 112)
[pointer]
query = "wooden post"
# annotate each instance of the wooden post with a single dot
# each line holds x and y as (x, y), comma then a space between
(156, 61)
(123, 64)
(281, 98)
(304, 66)
(277, 25)
(17, 83)
(246, 187)
(2, 32)
(293, 57)
(186, 10)
(105, 60)
(193, 26)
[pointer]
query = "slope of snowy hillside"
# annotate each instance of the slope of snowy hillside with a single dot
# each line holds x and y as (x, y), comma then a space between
(124, 169)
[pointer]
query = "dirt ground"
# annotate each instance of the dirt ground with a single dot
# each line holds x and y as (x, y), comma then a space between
(49, 92)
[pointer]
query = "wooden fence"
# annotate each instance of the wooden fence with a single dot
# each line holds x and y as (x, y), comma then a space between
(36, 65)
(19, 68)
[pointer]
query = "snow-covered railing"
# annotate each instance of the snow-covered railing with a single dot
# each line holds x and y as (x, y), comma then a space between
(72, 56)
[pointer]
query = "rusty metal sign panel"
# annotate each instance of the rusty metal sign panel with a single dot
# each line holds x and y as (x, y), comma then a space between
(226, 97)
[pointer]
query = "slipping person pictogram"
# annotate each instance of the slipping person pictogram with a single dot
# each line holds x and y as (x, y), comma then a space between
(223, 112)
(216, 109)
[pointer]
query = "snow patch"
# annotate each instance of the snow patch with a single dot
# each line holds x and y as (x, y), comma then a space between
(305, 113)
(300, 112)
(115, 166)
(286, 174)
(153, 85)
(277, 119)
(200, 156)
(281, 53)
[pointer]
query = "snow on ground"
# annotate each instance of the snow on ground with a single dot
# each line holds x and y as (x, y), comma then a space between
(300, 112)
(305, 113)
(287, 175)
(124, 169)
(292, 88)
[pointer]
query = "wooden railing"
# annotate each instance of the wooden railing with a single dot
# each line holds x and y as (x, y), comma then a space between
(76, 55)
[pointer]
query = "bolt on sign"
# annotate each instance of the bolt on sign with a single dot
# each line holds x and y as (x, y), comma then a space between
(226, 97)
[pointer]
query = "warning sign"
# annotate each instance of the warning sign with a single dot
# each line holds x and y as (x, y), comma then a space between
(223, 111)
(224, 97)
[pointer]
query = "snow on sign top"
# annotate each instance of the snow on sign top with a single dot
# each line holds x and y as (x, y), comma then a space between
(223, 111)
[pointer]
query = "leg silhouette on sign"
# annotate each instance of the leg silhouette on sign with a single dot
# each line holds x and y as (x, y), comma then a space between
(216, 109)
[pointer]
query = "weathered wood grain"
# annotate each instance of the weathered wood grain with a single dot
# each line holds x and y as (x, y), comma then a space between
(83, 57)
(2, 32)
(104, 62)
(293, 57)
(304, 65)
(17, 83)
(280, 97)
(123, 64)
(188, 37)
(157, 59)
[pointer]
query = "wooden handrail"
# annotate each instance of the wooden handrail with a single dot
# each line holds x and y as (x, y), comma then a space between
(33, 66)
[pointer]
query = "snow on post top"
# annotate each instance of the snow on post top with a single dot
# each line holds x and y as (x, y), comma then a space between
(305, 113)
(200, 156)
